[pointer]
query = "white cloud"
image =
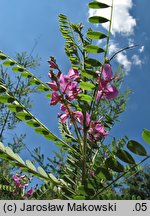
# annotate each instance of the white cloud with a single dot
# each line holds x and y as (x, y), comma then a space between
(123, 21)
(136, 60)
(141, 49)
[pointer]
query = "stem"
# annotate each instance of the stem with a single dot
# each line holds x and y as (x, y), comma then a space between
(5, 122)
(109, 31)
(84, 149)
(105, 188)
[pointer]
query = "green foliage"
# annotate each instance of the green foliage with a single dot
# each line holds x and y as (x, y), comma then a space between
(146, 136)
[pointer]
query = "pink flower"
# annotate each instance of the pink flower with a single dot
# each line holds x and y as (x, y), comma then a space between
(63, 117)
(73, 73)
(96, 132)
(30, 192)
(105, 90)
(71, 95)
(78, 115)
(110, 92)
(19, 180)
(64, 82)
(63, 108)
(72, 85)
(55, 98)
(107, 72)
(53, 85)
(52, 63)
(99, 95)
(88, 119)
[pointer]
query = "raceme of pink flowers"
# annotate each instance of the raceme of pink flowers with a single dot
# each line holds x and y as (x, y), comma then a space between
(66, 88)
(21, 182)
(65, 84)
(105, 89)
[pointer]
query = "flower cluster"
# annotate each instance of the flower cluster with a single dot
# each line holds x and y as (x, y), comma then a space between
(64, 84)
(65, 88)
(22, 181)
(105, 89)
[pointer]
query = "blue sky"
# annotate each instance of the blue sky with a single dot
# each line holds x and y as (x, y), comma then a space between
(24, 22)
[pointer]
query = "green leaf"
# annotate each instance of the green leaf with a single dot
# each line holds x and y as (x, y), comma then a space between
(89, 74)
(87, 86)
(30, 165)
(33, 123)
(136, 148)
(49, 95)
(6, 98)
(2, 148)
(2, 56)
(35, 81)
(96, 35)
(103, 173)
(97, 5)
(9, 62)
(42, 172)
(43, 88)
(19, 159)
(9, 152)
(92, 62)
(15, 108)
(2, 89)
(69, 180)
(93, 49)
(113, 164)
(85, 97)
(146, 136)
(98, 19)
(125, 156)
(23, 115)
(26, 74)
(18, 69)
(54, 179)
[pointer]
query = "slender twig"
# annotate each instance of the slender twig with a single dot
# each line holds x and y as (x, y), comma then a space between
(8, 112)
(121, 50)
